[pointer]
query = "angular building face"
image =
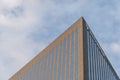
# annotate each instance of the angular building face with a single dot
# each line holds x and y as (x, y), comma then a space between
(74, 55)
(96, 64)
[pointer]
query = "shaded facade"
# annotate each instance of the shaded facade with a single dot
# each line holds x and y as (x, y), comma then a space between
(96, 64)
(74, 55)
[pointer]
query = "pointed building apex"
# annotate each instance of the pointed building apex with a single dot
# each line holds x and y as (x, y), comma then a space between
(82, 17)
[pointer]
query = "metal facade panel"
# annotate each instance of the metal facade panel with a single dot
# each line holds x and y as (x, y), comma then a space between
(96, 64)
(67, 58)
(74, 55)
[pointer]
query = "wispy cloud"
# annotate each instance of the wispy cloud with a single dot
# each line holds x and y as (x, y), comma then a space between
(18, 19)
(23, 23)
(115, 47)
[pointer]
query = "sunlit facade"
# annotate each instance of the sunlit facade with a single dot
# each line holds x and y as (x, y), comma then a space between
(74, 55)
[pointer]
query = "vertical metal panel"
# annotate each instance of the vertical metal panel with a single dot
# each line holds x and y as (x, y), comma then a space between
(34, 72)
(95, 57)
(101, 72)
(53, 63)
(93, 62)
(42, 66)
(69, 55)
(67, 58)
(57, 62)
(23, 77)
(76, 57)
(64, 52)
(61, 60)
(37, 69)
(80, 50)
(89, 54)
(98, 64)
(46, 65)
(29, 74)
(98, 68)
(85, 51)
(74, 61)
(72, 56)
(49, 65)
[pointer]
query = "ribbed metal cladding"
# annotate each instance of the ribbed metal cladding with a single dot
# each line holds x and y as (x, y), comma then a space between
(74, 55)
(85, 51)
(96, 64)
(57, 62)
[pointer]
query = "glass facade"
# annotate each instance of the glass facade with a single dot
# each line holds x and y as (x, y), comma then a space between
(75, 55)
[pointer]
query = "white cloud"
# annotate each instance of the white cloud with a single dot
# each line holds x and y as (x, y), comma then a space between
(115, 47)
(20, 18)
(15, 51)
(10, 3)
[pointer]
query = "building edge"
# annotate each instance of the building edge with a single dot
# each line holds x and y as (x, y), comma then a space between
(77, 23)
(85, 52)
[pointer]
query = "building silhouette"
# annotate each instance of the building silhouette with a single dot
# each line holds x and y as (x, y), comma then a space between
(74, 55)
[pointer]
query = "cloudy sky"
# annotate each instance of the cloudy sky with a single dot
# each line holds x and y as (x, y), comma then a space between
(28, 26)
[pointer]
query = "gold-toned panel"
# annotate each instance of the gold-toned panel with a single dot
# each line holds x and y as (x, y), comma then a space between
(48, 49)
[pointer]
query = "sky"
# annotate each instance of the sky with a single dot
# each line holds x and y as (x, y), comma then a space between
(28, 26)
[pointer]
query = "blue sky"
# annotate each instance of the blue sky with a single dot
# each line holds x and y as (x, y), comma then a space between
(28, 26)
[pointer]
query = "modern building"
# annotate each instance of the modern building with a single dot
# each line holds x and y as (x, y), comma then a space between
(74, 55)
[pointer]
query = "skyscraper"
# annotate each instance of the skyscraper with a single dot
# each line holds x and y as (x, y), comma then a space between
(74, 55)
